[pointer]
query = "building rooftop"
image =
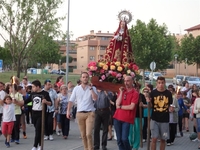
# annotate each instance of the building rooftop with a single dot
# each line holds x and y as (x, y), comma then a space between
(197, 27)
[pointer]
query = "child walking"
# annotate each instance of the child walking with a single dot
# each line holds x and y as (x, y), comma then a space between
(8, 117)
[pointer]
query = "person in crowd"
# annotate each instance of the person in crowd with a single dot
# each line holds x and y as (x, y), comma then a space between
(23, 110)
(2, 96)
(187, 103)
(134, 133)
(125, 113)
(56, 122)
(50, 110)
(188, 89)
(59, 81)
(173, 119)
(102, 115)
(29, 105)
(9, 117)
(195, 95)
(74, 108)
(180, 112)
(13, 91)
(145, 115)
(24, 82)
(85, 94)
(196, 110)
(112, 112)
(70, 87)
(61, 109)
(38, 98)
(160, 100)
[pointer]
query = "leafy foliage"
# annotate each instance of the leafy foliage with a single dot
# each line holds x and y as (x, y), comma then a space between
(24, 21)
(151, 42)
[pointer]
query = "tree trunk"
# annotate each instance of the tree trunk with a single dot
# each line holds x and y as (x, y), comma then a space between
(18, 68)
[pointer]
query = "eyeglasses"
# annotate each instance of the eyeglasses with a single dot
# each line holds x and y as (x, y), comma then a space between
(145, 91)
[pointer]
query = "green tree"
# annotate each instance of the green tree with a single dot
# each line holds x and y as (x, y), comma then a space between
(23, 21)
(190, 48)
(151, 42)
(5, 56)
(63, 59)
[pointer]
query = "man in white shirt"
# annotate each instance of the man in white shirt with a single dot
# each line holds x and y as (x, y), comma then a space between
(2, 96)
(187, 89)
(85, 96)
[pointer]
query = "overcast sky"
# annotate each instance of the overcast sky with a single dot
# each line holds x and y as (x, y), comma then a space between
(86, 15)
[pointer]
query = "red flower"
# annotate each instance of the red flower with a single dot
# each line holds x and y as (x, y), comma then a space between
(135, 67)
(114, 74)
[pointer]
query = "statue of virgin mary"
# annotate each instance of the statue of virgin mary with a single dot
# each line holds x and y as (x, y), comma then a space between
(119, 48)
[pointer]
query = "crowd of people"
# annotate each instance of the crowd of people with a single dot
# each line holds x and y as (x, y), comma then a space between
(95, 109)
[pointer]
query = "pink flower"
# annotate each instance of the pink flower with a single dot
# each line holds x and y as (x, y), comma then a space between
(114, 74)
(93, 68)
(103, 77)
(135, 67)
(92, 63)
(119, 75)
(110, 71)
(132, 74)
(90, 73)
(119, 79)
(102, 71)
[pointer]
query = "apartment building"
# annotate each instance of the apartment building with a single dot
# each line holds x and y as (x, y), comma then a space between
(184, 68)
(91, 47)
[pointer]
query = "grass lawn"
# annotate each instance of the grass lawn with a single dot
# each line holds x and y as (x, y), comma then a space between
(5, 77)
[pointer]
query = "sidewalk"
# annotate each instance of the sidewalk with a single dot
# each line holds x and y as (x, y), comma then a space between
(74, 142)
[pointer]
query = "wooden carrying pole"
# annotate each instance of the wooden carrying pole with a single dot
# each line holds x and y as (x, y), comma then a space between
(140, 113)
(148, 127)
(42, 129)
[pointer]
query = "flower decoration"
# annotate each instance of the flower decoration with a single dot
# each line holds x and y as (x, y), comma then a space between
(113, 71)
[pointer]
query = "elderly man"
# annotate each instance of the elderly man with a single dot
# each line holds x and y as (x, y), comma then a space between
(125, 113)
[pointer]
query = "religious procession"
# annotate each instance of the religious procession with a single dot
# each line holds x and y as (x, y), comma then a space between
(108, 105)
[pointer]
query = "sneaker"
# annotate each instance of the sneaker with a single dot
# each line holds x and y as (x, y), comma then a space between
(7, 144)
(17, 141)
(0, 133)
(181, 133)
(195, 140)
(39, 148)
(46, 137)
(34, 148)
(172, 143)
(51, 137)
(11, 140)
(143, 140)
(54, 131)
(59, 132)
(168, 144)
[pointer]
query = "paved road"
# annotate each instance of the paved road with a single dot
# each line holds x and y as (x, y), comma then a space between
(74, 143)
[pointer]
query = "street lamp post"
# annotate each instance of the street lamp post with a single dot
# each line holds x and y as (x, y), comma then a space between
(67, 47)
(186, 66)
(176, 56)
(59, 64)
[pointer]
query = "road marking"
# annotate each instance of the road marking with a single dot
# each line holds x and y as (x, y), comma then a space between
(77, 147)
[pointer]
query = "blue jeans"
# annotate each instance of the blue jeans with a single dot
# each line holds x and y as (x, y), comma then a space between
(122, 132)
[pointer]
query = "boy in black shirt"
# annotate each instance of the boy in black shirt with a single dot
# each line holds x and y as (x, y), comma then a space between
(38, 97)
(160, 99)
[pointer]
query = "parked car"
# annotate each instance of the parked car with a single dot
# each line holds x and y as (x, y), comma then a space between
(155, 75)
(146, 75)
(178, 79)
(185, 78)
(194, 80)
(59, 72)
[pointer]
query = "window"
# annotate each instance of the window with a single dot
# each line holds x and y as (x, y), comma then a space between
(91, 57)
(72, 52)
(92, 47)
(75, 59)
(102, 47)
(104, 38)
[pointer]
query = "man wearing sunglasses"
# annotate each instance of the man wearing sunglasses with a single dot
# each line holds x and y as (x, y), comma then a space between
(125, 113)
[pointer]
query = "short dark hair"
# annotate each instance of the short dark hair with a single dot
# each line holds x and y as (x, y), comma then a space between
(161, 78)
(19, 88)
(184, 93)
(47, 80)
(150, 86)
(37, 83)
(2, 83)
